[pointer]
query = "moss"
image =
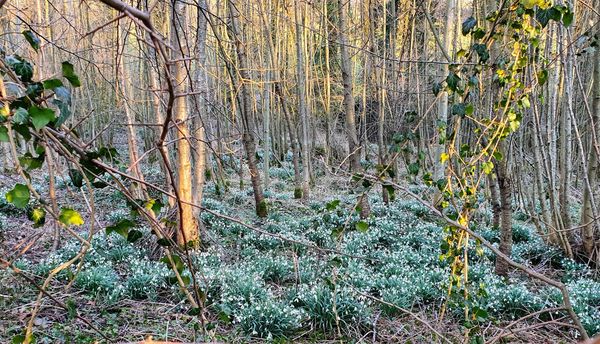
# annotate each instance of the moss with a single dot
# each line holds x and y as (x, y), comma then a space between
(297, 193)
(261, 209)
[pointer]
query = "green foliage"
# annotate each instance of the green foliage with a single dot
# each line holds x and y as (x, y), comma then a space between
(33, 40)
(70, 217)
(270, 319)
(19, 196)
(68, 72)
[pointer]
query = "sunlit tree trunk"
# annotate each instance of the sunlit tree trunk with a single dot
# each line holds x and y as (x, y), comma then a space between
(188, 225)
(201, 86)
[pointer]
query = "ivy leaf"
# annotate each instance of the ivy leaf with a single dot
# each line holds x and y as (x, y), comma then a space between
(164, 242)
(567, 18)
(23, 68)
(436, 88)
(38, 216)
(40, 117)
(362, 226)
(51, 84)
(468, 25)
(33, 40)
(20, 116)
(18, 196)
(554, 14)
(543, 16)
(390, 190)
(134, 236)
(68, 72)
(121, 228)
(29, 162)
(478, 33)
(154, 205)
(482, 51)
(76, 177)
(459, 109)
(70, 217)
(487, 167)
(4, 134)
(413, 168)
(176, 259)
(452, 80)
(542, 76)
(332, 205)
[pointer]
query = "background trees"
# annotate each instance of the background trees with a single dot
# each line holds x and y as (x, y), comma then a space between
(366, 93)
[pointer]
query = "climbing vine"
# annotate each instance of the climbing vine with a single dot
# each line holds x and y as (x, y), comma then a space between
(475, 135)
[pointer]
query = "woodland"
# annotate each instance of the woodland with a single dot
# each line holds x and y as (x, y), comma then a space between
(314, 171)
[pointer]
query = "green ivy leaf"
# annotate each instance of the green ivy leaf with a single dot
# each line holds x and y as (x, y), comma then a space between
(459, 109)
(567, 18)
(38, 216)
(40, 117)
(154, 205)
(18, 196)
(164, 242)
(436, 88)
(23, 68)
(413, 168)
(51, 84)
(468, 25)
(4, 134)
(121, 228)
(20, 116)
(487, 167)
(76, 177)
(33, 40)
(332, 205)
(29, 162)
(482, 51)
(177, 260)
(452, 81)
(362, 226)
(68, 72)
(134, 236)
(542, 76)
(70, 217)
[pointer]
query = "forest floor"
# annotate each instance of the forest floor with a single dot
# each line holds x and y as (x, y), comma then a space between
(381, 283)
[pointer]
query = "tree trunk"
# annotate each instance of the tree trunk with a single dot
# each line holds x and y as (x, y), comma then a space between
(201, 107)
(347, 80)
(302, 106)
(247, 120)
(188, 224)
(505, 186)
(589, 224)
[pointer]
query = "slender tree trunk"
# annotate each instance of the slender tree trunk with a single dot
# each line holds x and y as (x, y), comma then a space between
(347, 80)
(137, 189)
(589, 229)
(505, 186)
(189, 232)
(201, 107)
(302, 106)
(247, 120)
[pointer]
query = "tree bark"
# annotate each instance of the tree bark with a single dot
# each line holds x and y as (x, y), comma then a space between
(189, 232)
(589, 229)
(349, 105)
(247, 120)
